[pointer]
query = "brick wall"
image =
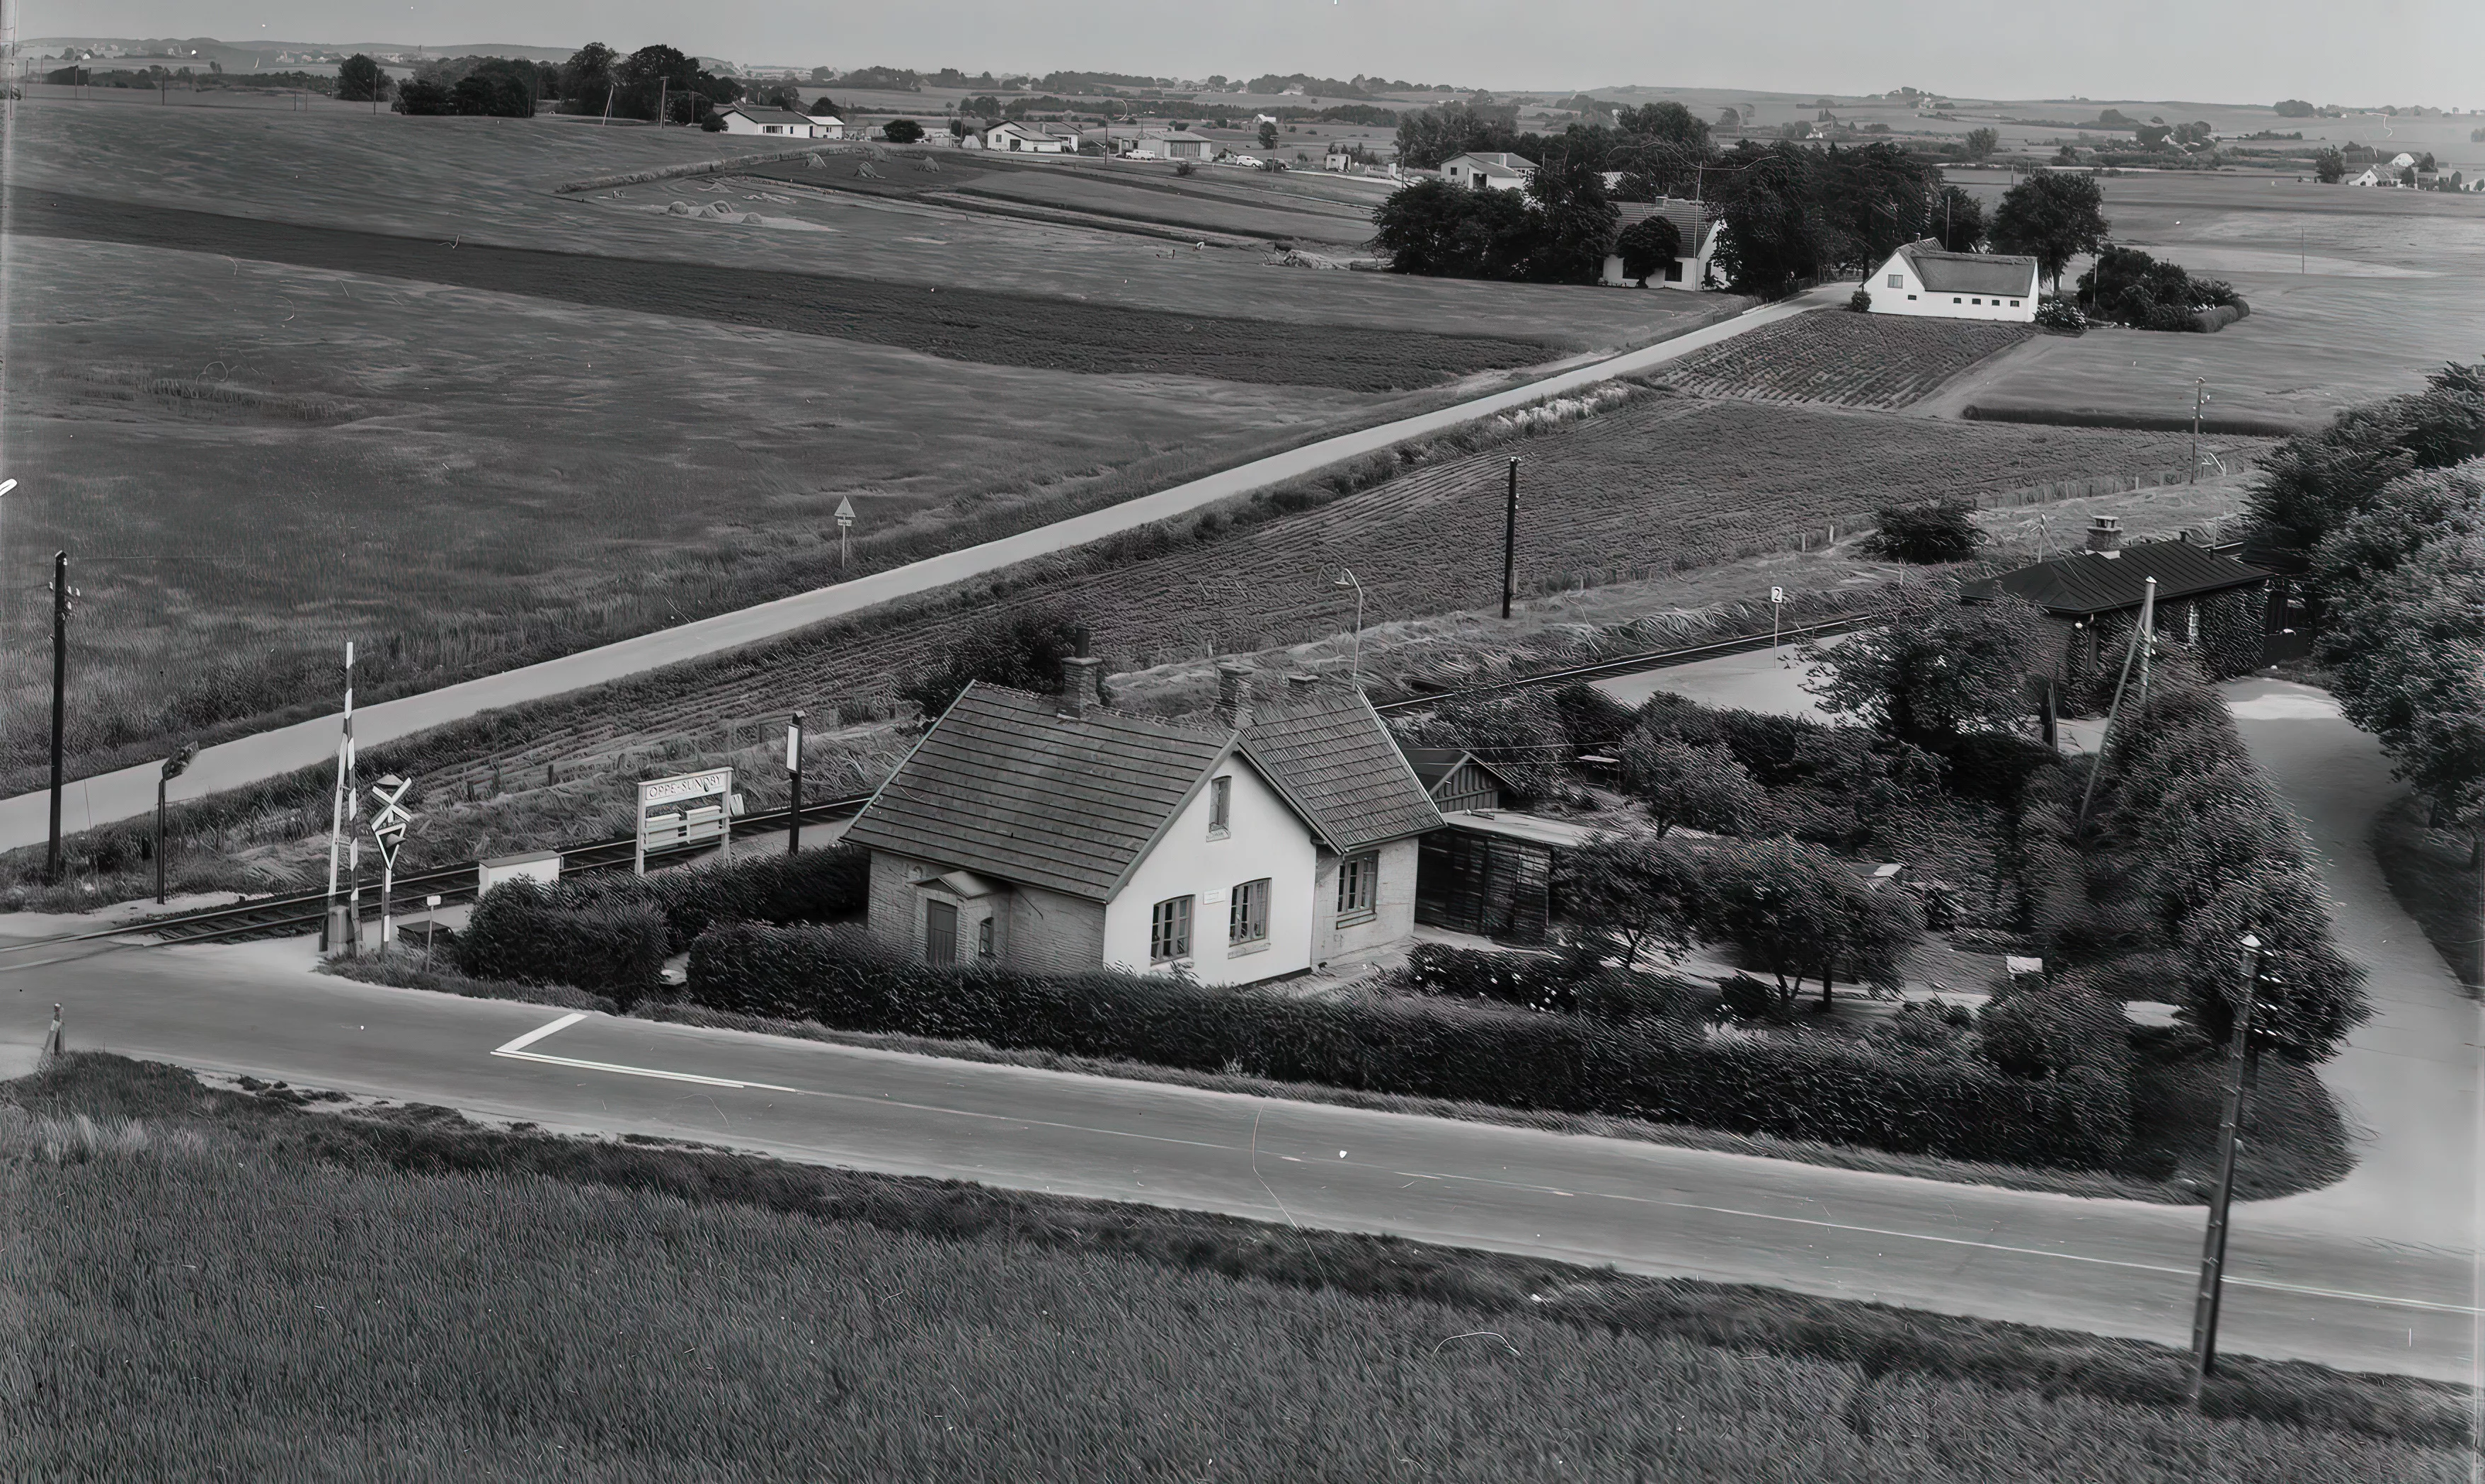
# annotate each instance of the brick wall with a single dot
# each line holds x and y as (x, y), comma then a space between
(1049, 933)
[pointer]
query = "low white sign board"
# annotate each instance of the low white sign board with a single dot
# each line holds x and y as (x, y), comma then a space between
(685, 812)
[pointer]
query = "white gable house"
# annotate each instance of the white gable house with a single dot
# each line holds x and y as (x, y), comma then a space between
(1052, 834)
(1698, 235)
(1499, 172)
(1922, 279)
(1032, 138)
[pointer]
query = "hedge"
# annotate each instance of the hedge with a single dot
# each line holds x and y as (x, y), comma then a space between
(1424, 1046)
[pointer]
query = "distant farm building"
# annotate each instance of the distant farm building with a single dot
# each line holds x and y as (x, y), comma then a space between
(1051, 833)
(746, 119)
(1032, 138)
(1700, 236)
(1172, 145)
(1497, 172)
(1922, 279)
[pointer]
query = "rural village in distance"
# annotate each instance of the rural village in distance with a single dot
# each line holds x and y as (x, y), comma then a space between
(729, 769)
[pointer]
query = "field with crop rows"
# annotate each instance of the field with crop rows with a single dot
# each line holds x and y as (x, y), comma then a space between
(1845, 359)
(433, 1300)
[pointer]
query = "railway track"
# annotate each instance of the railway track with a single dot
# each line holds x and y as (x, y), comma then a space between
(290, 914)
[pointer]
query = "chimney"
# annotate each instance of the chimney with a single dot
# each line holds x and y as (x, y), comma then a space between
(1300, 683)
(1079, 677)
(2105, 536)
(1233, 695)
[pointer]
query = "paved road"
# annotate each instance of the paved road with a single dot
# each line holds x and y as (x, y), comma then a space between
(24, 820)
(2112, 1267)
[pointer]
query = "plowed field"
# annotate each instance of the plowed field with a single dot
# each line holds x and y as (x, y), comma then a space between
(1848, 360)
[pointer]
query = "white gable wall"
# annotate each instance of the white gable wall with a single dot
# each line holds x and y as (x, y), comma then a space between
(1909, 296)
(1265, 838)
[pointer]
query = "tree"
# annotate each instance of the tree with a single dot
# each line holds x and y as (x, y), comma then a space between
(1927, 534)
(1667, 121)
(1701, 788)
(1798, 911)
(783, 95)
(1442, 231)
(1022, 649)
(418, 96)
(1959, 220)
(901, 132)
(1630, 895)
(1775, 234)
(1935, 670)
(360, 80)
(495, 95)
(2330, 167)
(2052, 217)
(1648, 247)
(1426, 137)
(1982, 142)
(1268, 136)
(2294, 108)
(1575, 222)
(586, 78)
(2314, 482)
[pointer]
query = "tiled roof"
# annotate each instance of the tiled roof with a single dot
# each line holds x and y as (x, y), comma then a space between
(1329, 753)
(1006, 785)
(1943, 272)
(1432, 765)
(770, 115)
(2094, 583)
(1690, 221)
(1500, 164)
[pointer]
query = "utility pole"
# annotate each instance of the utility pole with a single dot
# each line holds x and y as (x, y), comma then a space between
(173, 768)
(794, 769)
(2200, 399)
(2213, 1245)
(2141, 636)
(664, 88)
(1510, 538)
(333, 935)
(60, 596)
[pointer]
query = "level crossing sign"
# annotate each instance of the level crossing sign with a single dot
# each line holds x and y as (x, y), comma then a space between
(390, 817)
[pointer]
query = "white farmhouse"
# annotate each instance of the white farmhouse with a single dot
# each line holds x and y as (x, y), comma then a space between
(1499, 172)
(1699, 236)
(750, 119)
(1050, 833)
(1032, 138)
(1922, 279)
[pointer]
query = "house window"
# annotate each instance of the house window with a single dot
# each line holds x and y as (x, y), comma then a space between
(1247, 921)
(2015, 304)
(984, 939)
(1358, 881)
(1976, 301)
(1169, 931)
(1221, 808)
(1674, 272)
(1911, 296)
(1954, 299)
(1897, 280)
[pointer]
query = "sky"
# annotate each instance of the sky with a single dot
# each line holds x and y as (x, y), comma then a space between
(2382, 51)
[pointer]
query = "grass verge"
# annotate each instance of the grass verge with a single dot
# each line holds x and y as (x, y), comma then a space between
(2433, 875)
(2302, 1145)
(467, 1300)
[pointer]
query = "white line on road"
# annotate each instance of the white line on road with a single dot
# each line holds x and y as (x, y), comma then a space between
(516, 1051)
(538, 1034)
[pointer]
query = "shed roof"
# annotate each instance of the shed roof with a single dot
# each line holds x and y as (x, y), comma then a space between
(2091, 582)
(771, 115)
(1499, 164)
(1433, 765)
(1942, 272)
(1334, 759)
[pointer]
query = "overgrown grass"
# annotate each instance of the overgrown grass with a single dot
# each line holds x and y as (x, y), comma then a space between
(432, 1298)
(2433, 875)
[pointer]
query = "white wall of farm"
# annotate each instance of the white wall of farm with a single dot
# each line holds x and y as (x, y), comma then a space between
(1265, 838)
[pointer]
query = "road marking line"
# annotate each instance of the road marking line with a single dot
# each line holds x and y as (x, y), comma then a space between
(516, 1051)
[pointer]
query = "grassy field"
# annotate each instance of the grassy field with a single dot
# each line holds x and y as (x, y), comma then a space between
(2355, 294)
(1846, 360)
(431, 1298)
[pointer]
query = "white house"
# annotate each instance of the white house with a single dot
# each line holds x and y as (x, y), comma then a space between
(1337, 160)
(1172, 145)
(1032, 138)
(1699, 236)
(1922, 279)
(750, 119)
(1055, 835)
(2370, 178)
(1500, 172)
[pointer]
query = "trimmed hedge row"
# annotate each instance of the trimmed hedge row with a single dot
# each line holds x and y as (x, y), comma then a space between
(612, 933)
(1422, 1047)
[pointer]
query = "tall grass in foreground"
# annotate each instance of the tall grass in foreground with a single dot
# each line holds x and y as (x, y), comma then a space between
(277, 1294)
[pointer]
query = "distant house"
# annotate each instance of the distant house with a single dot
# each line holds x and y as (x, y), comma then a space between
(2372, 176)
(1051, 833)
(2093, 596)
(749, 119)
(1337, 160)
(1499, 172)
(1173, 144)
(1700, 237)
(1032, 138)
(1921, 279)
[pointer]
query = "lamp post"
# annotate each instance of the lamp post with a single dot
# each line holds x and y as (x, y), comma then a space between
(1510, 538)
(62, 592)
(794, 769)
(1347, 579)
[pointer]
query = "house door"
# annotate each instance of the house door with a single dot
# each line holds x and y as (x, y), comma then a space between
(940, 933)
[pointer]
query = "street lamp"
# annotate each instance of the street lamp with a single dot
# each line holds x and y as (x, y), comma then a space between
(1347, 579)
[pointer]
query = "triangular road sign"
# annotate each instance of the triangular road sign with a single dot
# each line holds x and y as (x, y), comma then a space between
(845, 512)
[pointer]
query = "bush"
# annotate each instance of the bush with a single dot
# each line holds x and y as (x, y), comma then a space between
(1860, 301)
(2056, 313)
(1184, 167)
(901, 132)
(1423, 1047)
(816, 885)
(524, 931)
(1936, 531)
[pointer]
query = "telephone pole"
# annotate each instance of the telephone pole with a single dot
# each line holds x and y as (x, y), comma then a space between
(60, 702)
(1510, 538)
(2213, 1246)
(2200, 399)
